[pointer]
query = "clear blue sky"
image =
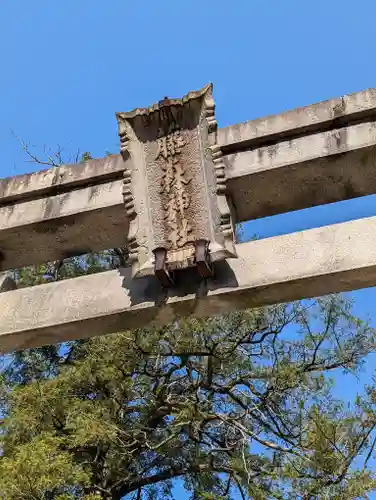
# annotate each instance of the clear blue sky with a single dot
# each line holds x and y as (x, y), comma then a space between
(68, 65)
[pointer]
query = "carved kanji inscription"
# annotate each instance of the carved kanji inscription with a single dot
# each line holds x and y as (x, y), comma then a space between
(175, 182)
(173, 185)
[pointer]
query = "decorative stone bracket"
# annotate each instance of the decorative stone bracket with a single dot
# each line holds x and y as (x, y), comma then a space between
(175, 187)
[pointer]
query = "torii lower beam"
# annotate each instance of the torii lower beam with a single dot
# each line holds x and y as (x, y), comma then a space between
(310, 263)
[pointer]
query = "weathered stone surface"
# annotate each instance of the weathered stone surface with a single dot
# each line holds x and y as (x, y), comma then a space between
(60, 179)
(299, 173)
(349, 109)
(52, 228)
(47, 215)
(62, 211)
(175, 186)
(284, 268)
(331, 114)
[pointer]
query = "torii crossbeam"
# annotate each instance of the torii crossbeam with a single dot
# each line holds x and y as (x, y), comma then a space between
(302, 158)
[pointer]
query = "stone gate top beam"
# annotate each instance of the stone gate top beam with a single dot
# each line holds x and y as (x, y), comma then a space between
(334, 113)
(61, 179)
(327, 115)
(327, 151)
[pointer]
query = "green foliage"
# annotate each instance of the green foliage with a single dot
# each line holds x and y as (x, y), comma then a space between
(240, 406)
(235, 403)
(38, 466)
(86, 156)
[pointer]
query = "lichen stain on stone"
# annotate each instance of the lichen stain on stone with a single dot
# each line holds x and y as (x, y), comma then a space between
(273, 151)
(49, 207)
(333, 158)
(342, 137)
(9, 209)
(350, 191)
(335, 141)
(364, 158)
(63, 199)
(4, 186)
(94, 190)
(53, 206)
(12, 185)
(55, 178)
(46, 229)
(339, 109)
(55, 225)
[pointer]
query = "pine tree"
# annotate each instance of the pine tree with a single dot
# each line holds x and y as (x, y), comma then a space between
(239, 406)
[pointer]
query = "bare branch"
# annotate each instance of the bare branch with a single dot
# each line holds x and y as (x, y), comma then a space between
(33, 158)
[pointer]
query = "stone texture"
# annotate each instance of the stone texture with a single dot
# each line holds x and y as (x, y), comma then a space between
(307, 171)
(79, 208)
(175, 186)
(62, 211)
(310, 263)
(51, 228)
(341, 111)
(60, 179)
(359, 106)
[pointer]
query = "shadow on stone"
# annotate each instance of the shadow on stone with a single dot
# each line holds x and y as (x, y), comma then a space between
(187, 283)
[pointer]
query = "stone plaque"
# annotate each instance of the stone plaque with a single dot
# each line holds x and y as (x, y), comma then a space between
(175, 183)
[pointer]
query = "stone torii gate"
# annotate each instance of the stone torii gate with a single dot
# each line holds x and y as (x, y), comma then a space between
(173, 196)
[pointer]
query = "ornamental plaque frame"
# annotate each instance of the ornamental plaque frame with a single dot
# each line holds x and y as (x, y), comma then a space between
(174, 186)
